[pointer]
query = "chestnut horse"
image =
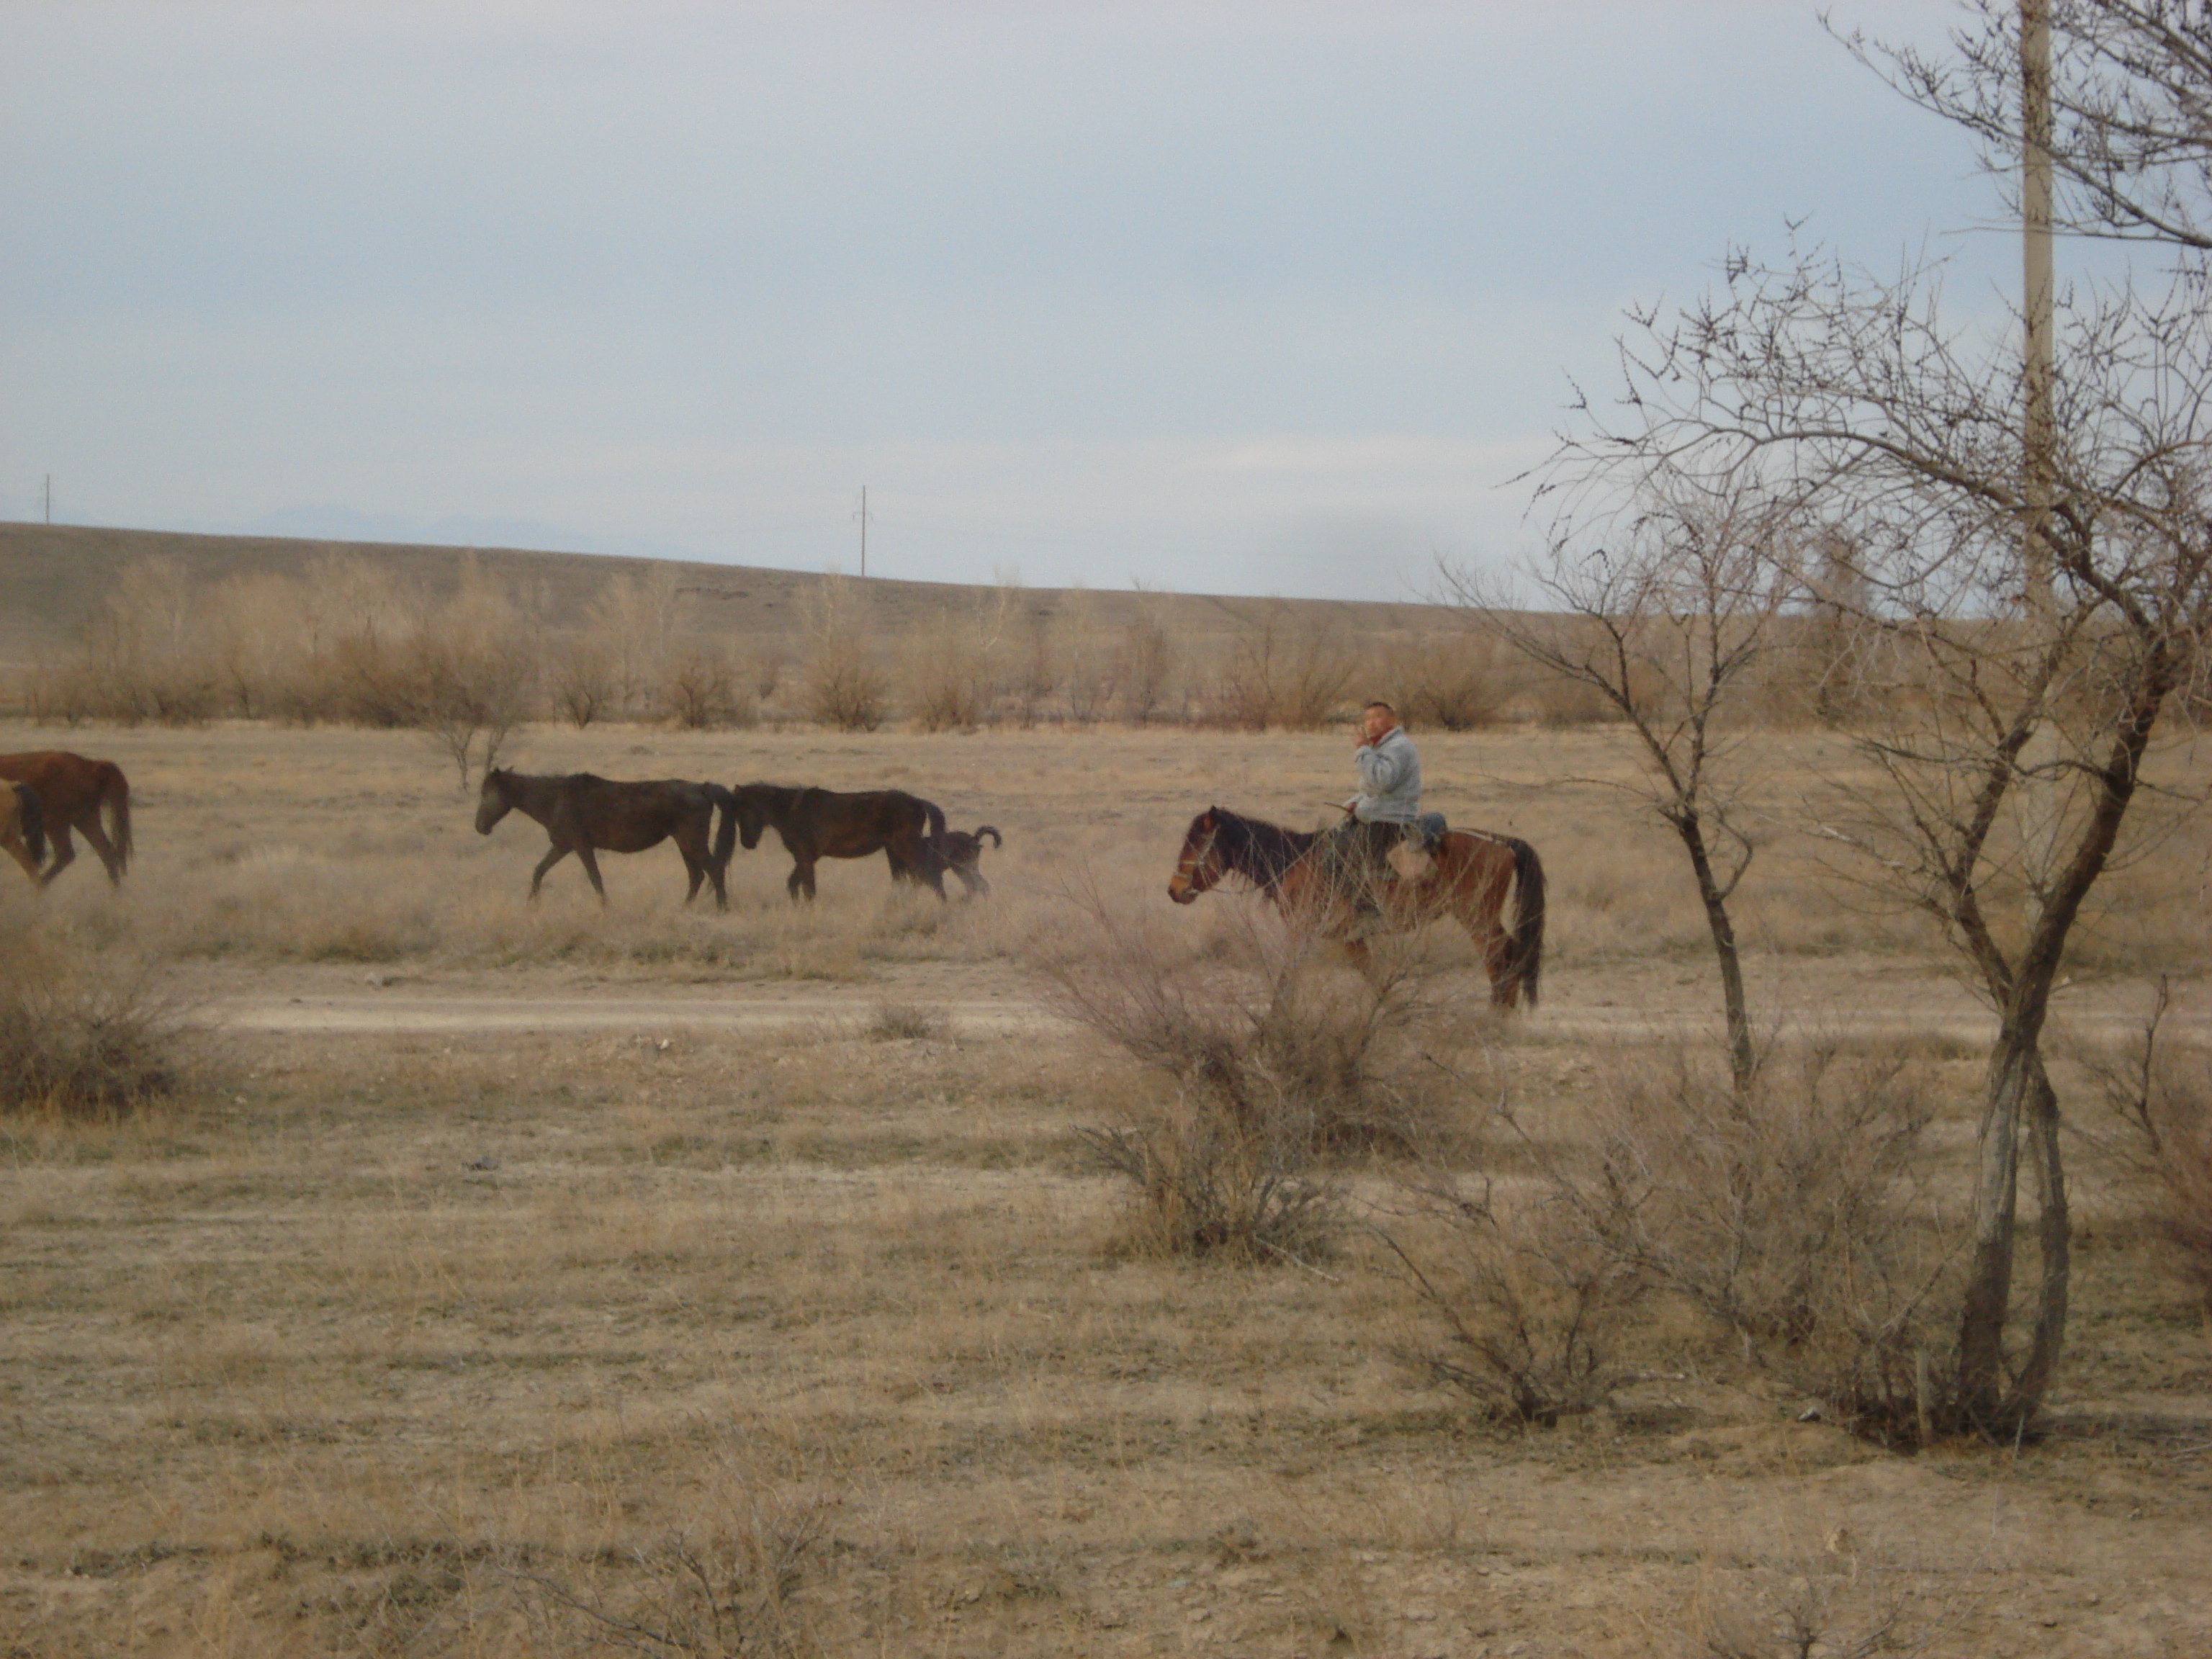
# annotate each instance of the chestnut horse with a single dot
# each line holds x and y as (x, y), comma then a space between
(73, 790)
(1473, 873)
(23, 828)
(830, 823)
(584, 815)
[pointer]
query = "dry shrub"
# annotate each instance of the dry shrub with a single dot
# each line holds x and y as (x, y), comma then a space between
(1211, 1182)
(1144, 669)
(82, 1036)
(1796, 1217)
(955, 670)
(1826, 1603)
(843, 686)
(583, 681)
(1532, 1299)
(142, 656)
(905, 1021)
(1449, 684)
(2161, 1093)
(703, 693)
(726, 1589)
(1276, 1060)
(1292, 673)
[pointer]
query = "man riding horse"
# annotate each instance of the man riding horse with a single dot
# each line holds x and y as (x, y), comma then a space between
(1387, 809)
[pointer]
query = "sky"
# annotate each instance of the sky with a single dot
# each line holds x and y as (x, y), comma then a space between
(1260, 298)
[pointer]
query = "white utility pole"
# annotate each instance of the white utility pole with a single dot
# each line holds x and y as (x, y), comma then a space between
(2039, 432)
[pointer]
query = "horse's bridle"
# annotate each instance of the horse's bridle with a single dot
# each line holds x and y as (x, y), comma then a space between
(1191, 876)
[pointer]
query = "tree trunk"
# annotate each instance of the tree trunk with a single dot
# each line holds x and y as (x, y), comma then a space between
(1987, 1298)
(1742, 1062)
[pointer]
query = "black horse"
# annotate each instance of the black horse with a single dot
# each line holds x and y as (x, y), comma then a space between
(831, 823)
(584, 814)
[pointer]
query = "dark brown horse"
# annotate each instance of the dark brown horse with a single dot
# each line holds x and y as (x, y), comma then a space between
(830, 823)
(963, 852)
(586, 815)
(73, 790)
(1473, 872)
(23, 828)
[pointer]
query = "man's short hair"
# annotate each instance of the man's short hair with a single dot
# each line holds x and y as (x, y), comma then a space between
(1384, 707)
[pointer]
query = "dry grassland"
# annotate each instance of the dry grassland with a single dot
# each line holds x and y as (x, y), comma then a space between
(538, 1281)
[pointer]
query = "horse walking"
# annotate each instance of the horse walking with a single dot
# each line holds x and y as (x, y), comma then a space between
(74, 791)
(1475, 874)
(587, 815)
(963, 852)
(830, 823)
(23, 828)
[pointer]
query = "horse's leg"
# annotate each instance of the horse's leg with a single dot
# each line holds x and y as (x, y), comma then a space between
(537, 876)
(585, 857)
(65, 852)
(925, 869)
(799, 883)
(1483, 915)
(109, 859)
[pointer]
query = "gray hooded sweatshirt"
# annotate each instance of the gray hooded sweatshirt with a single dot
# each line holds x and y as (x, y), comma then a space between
(1390, 781)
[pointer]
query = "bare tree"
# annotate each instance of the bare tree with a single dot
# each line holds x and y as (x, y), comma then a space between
(1665, 619)
(1850, 398)
(2131, 106)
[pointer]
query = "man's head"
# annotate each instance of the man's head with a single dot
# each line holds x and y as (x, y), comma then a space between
(1379, 719)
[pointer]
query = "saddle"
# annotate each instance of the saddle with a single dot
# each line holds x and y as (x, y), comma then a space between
(1414, 856)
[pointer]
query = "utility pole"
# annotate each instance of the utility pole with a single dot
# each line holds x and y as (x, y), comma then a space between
(862, 515)
(50, 498)
(2038, 432)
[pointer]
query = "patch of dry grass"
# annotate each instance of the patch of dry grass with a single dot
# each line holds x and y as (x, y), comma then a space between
(469, 1341)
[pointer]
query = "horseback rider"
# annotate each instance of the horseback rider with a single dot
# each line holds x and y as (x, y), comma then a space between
(1386, 808)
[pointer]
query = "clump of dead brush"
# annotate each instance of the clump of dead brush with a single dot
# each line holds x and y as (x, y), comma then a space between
(84, 1037)
(1276, 1060)
(1530, 1301)
(1795, 1214)
(728, 1591)
(1790, 1214)
(2159, 1091)
(905, 1021)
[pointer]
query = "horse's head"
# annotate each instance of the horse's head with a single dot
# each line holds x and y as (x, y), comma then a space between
(1200, 866)
(492, 803)
(752, 814)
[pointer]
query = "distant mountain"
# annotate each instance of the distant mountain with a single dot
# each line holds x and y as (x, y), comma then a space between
(54, 577)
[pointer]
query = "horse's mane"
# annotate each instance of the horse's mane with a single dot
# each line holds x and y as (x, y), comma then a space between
(1256, 849)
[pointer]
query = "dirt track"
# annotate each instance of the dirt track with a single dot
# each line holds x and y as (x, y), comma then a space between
(1854, 998)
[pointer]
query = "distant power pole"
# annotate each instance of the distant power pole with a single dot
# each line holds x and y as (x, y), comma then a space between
(862, 515)
(2039, 427)
(50, 498)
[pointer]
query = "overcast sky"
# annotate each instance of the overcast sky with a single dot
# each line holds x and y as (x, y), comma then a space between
(1258, 298)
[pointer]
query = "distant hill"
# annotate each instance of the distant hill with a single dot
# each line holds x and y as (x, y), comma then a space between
(53, 578)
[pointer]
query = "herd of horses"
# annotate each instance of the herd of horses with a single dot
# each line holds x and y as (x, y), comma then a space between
(584, 814)
(1472, 876)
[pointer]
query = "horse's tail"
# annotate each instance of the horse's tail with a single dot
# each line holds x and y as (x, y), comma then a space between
(936, 814)
(726, 839)
(1527, 918)
(983, 829)
(31, 821)
(115, 790)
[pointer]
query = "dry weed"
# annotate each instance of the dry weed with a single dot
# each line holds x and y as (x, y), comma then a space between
(1798, 1215)
(1531, 1300)
(83, 1036)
